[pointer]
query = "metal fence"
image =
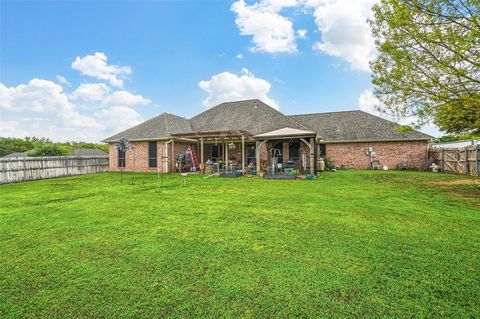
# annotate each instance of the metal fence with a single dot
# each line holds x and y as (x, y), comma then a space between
(464, 160)
(21, 169)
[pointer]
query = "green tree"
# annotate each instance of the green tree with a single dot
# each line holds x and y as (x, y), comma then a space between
(43, 146)
(428, 65)
(48, 149)
(10, 145)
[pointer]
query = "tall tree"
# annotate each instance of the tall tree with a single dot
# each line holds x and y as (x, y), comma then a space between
(428, 65)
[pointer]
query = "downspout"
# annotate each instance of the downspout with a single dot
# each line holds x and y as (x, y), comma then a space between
(165, 166)
(428, 156)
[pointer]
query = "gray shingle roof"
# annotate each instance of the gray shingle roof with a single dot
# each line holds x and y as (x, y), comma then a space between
(161, 126)
(87, 152)
(252, 116)
(17, 154)
(354, 126)
(256, 117)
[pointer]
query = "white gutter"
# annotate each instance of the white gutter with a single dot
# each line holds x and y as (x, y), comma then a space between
(181, 139)
(373, 141)
(184, 139)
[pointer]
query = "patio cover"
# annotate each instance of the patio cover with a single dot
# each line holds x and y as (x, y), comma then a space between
(285, 132)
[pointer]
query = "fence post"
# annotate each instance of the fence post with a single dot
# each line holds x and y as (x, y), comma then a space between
(24, 171)
(443, 161)
(477, 159)
(465, 149)
(66, 166)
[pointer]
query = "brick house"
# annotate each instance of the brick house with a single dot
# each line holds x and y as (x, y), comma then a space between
(250, 134)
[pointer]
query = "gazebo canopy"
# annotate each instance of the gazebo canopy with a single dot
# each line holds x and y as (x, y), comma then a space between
(285, 132)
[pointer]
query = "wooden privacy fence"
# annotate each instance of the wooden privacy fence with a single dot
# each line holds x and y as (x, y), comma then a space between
(465, 160)
(23, 169)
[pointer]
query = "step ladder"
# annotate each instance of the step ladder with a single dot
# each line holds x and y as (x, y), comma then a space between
(190, 151)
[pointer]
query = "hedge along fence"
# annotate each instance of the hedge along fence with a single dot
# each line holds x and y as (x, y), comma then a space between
(23, 169)
(464, 160)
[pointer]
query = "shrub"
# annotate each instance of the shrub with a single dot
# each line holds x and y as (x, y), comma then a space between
(329, 164)
(291, 172)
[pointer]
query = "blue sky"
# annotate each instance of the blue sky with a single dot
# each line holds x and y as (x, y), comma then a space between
(69, 68)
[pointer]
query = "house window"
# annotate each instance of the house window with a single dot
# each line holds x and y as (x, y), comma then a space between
(121, 158)
(322, 150)
(152, 154)
(293, 148)
(217, 151)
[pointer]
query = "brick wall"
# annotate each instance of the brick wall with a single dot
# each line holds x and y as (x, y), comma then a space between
(354, 155)
(112, 157)
(349, 155)
(136, 159)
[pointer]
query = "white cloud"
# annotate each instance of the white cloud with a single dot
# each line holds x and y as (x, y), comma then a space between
(368, 102)
(277, 5)
(73, 118)
(61, 117)
(96, 66)
(10, 129)
(94, 96)
(91, 91)
(227, 86)
(302, 33)
(91, 112)
(239, 56)
(118, 118)
(43, 96)
(38, 96)
(125, 98)
(345, 31)
(343, 26)
(62, 80)
(272, 32)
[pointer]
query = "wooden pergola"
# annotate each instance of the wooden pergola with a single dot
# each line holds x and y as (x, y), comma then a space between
(240, 136)
(218, 136)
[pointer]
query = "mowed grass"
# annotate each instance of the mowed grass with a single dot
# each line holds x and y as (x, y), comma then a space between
(351, 244)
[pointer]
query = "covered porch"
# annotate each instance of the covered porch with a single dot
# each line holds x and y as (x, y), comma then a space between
(223, 151)
(287, 150)
(278, 152)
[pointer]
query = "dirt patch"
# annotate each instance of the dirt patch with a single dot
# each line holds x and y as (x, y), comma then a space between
(470, 195)
(455, 182)
(348, 296)
(465, 188)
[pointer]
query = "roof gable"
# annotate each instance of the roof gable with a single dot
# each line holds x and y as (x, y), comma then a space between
(17, 154)
(252, 116)
(161, 126)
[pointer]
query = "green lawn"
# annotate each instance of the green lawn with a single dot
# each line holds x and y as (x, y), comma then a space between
(351, 244)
